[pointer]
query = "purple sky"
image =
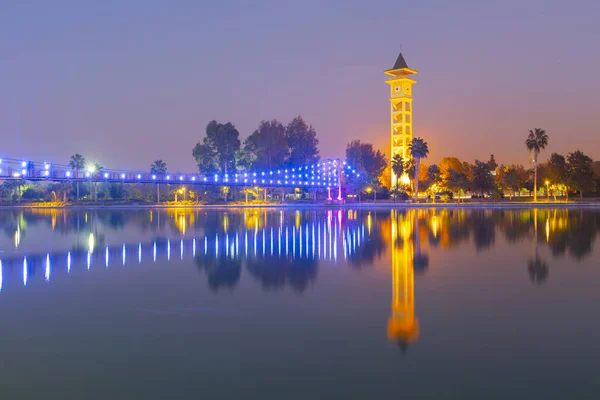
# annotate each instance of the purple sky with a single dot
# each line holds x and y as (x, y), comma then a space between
(124, 82)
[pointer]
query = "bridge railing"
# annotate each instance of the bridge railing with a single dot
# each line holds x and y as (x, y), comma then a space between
(324, 174)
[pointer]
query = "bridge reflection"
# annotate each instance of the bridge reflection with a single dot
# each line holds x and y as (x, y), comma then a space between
(325, 239)
(279, 248)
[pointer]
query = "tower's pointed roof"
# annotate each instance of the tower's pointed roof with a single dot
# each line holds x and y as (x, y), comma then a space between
(400, 68)
(400, 62)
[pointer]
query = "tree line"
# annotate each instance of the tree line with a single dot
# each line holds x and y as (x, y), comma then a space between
(273, 145)
(560, 175)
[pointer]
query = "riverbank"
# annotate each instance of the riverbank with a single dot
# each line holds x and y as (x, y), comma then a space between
(371, 205)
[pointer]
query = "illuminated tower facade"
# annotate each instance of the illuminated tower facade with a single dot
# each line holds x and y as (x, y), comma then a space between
(403, 325)
(401, 121)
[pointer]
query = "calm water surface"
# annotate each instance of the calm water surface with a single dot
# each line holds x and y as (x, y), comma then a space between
(300, 304)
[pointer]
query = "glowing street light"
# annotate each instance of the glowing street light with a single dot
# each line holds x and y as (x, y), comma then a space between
(548, 189)
(405, 179)
(179, 191)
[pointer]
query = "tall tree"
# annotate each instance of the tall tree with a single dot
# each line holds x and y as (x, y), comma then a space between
(450, 163)
(158, 167)
(537, 140)
(512, 178)
(581, 172)
(483, 180)
(418, 149)
(96, 169)
(433, 180)
(205, 158)
(267, 146)
(457, 182)
(302, 143)
(243, 160)
(455, 174)
(557, 173)
(76, 163)
(217, 151)
(398, 168)
(224, 139)
(366, 160)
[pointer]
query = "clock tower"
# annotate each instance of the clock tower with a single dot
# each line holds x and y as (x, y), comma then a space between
(401, 122)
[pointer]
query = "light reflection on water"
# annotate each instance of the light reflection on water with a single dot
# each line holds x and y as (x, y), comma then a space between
(300, 236)
(289, 249)
(222, 246)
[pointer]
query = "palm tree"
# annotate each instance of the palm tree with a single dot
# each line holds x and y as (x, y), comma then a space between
(77, 162)
(158, 167)
(97, 168)
(537, 140)
(418, 149)
(398, 167)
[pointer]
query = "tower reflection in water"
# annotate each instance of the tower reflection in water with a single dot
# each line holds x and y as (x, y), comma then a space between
(284, 248)
(403, 325)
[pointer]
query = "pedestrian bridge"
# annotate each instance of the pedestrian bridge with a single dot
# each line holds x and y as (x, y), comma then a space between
(322, 175)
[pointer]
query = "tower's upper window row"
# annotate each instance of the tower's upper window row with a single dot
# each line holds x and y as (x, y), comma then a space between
(401, 90)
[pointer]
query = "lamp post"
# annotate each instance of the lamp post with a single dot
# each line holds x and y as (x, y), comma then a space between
(91, 171)
(548, 190)
(179, 191)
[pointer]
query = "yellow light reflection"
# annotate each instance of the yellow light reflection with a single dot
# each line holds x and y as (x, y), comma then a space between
(181, 223)
(18, 237)
(91, 243)
(434, 226)
(403, 326)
